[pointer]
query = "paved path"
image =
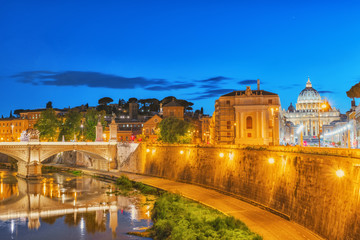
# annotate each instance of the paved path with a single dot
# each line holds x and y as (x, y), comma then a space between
(266, 224)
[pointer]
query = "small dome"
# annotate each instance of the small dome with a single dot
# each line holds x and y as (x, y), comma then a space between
(291, 108)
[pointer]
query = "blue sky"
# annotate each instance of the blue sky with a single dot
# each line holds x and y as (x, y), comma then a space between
(75, 52)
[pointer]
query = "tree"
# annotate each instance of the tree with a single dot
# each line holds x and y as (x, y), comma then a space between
(91, 119)
(354, 91)
(174, 130)
(11, 116)
(167, 100)
(132, 100)
(121, 103)
(49, 105)
(48, 125)
(71, 127)
(105, 100)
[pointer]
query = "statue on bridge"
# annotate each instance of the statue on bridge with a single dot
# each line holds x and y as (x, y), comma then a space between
(30, 135)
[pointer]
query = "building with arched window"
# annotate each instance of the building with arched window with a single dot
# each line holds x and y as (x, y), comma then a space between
(249, 117)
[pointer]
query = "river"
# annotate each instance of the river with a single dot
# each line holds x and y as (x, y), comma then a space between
(64, 206)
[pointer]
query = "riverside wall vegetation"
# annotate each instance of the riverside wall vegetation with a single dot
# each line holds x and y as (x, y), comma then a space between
(299, 183)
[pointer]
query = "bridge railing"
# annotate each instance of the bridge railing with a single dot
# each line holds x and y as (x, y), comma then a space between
(58, 143)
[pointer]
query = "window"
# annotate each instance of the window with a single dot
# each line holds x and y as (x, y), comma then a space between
(270, 101)
(249, 124)
(227, 102)
(172, 114)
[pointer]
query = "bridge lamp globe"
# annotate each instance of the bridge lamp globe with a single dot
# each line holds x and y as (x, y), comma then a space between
(221, 155)
(271, 161)
(181, 152)
(340, 173)
(147, 150)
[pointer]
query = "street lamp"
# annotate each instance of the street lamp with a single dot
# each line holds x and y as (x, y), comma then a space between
(82, 131)
(321, 106)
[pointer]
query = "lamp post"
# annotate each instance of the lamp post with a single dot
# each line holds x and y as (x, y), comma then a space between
(82, 132)
(321, 106)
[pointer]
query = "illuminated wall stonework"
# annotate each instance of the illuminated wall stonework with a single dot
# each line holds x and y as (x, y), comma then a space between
(303, 186)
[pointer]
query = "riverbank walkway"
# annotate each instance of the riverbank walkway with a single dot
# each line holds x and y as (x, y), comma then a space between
(262, 222)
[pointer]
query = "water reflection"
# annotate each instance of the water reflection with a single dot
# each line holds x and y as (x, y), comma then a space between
(62, 205)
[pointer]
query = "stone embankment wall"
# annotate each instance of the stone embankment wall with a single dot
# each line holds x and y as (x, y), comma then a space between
(300, 183)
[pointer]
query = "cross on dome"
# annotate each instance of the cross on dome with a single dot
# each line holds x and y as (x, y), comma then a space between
(308, 84)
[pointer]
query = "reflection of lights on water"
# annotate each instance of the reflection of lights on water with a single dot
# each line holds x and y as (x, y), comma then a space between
(44, 188)
(63, 198)
(82, 226)
(133, 212)
(12, 226)
(148, 213)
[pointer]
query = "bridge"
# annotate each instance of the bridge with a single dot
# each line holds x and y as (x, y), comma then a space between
(30, 154)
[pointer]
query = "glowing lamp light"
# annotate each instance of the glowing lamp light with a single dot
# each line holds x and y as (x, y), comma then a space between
(271, 161)
(181, 152)
(147, 150)
(340, 173)
(153, 151)
(323, 106)
(221, 155)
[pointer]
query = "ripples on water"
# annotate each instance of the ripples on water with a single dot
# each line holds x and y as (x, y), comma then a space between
(62, 206)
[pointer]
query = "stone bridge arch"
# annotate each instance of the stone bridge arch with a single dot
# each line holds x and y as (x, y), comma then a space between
(30, 154)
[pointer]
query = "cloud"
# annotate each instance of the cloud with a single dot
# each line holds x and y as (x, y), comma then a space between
(103, 80)
(248, 82)
(212, 94)
(325, 92)
(214, 79)
(170, 87)
(89, 79)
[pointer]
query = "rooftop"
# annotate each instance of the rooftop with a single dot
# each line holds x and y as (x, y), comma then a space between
(254, 92)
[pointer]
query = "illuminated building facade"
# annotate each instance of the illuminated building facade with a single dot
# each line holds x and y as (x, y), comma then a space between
(11, 129)
(308, 107)
(249, 117)
(173, 109)
(34, 115)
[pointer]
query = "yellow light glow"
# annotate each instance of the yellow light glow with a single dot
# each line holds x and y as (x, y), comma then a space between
(271, 161)
(221, 155)
(147, 150)
(323, 106)
(340, 173)
(231, 156)
(153, 151)
(181, 152)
